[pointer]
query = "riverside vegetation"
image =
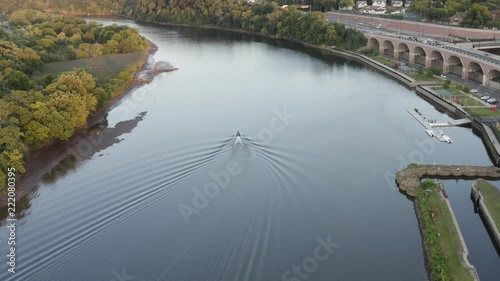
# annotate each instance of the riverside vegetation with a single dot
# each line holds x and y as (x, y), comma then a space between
(439, 236)
(37, 111)
(265, 18)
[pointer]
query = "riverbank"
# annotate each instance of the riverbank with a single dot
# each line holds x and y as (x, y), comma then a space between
(445, 249)
(44, 160)
(487, 199)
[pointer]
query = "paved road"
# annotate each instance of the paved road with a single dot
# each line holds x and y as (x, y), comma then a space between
(461, 48)
(466, 48)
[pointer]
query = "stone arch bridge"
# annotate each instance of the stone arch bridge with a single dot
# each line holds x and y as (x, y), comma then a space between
(462, 63)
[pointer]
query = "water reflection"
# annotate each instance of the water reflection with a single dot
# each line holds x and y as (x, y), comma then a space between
(57, 161)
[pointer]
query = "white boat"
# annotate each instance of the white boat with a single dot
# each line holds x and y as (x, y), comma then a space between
(447, 139)
(430, 133)
(238, 138)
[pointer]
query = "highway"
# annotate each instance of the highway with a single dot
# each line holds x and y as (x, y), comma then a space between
(464, 48)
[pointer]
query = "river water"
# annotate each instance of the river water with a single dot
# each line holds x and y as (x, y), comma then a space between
(165, 194)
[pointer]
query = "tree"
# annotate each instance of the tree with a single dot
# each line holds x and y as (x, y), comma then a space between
(36, 133)
(17, 80)
(345, 3)
(15, 159)
(477, 15)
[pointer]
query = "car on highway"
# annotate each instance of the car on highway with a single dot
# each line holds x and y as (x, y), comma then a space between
(442, 76)
(485, 97)
(491, 101)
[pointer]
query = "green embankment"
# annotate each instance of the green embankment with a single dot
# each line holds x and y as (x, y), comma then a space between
(491, 197)
(102, 67)
(442, 244)
(483, 112)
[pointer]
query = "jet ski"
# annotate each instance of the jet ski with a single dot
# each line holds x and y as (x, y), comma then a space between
(238, 138)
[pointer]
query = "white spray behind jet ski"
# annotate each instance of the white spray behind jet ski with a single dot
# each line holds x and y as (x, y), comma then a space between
(238, 138)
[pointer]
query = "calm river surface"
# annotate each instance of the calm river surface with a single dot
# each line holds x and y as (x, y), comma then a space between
(165, 195)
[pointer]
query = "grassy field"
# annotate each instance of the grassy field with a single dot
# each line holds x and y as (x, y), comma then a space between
(491, 199)
(101, 67)
(469, 101)
(384, 61)
(448, 238)
(483, 112)
(424, 77)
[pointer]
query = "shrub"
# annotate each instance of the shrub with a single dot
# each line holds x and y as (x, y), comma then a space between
(428, 184)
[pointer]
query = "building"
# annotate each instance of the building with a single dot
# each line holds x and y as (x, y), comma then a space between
(397, 10)
(457, 19)
(397, 3)
(379, 3)
(408, 3)
(372, 10)
(361, 4)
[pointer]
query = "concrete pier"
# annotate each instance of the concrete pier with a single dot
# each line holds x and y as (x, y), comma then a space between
(479, 200)
(409, 179)
(421, 119)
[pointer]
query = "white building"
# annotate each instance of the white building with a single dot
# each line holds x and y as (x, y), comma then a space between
(373, 10)
(398, 10)
(397, 3)
(361, 4)
(379, 3)
(348, 8)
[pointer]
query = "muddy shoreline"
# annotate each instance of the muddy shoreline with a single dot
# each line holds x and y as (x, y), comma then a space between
(49, 158)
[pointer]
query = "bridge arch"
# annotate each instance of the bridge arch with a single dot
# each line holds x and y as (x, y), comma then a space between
(402, 52)
(436, 60)
(493, 79)
(419, 55)
(454, 65)
(475, 71)
(374, 44)
(387, 48)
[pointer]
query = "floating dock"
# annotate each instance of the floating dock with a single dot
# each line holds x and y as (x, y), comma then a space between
(428, 126)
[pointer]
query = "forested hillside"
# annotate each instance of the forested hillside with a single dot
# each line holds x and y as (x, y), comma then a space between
(34, 112)
(477, 13)
(68, 6)
(266, 18)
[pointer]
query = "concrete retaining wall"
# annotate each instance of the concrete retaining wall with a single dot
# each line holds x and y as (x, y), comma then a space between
(465, 253)
(403, 78)
(418, 28)
(432, 96)
(478, 198)
(480, 129)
